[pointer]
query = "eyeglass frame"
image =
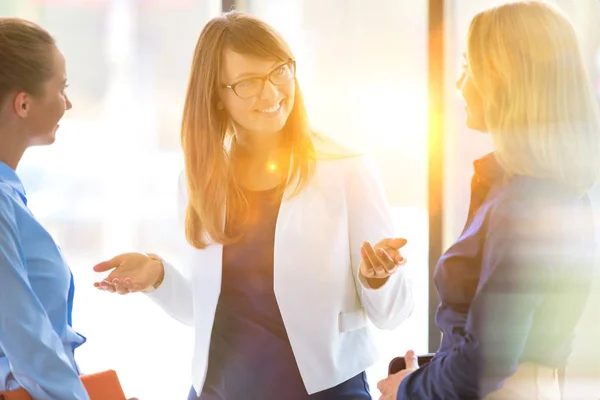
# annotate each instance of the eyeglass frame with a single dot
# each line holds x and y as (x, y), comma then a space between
(263, 80)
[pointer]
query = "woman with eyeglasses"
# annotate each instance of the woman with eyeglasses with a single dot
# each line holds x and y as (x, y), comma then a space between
(283, 278)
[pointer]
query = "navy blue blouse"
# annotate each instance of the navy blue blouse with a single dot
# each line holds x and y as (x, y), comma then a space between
(250, 353)
(512, 288)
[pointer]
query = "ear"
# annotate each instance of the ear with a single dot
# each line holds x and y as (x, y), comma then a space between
(22, 104)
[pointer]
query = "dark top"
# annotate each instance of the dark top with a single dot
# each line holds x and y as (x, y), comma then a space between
(250, 353)
(512, 288)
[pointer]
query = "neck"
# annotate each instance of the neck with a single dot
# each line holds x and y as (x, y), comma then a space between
(11, 148)
(259, 149)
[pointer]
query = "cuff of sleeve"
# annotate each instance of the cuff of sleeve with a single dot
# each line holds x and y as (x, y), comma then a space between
(395, 276)
(167, 282)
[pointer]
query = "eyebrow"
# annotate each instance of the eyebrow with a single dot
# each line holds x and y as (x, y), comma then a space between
(253, 74)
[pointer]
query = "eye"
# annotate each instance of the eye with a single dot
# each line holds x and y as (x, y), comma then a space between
(246, 83)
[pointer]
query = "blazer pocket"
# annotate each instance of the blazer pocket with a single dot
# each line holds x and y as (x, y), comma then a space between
(351, 321)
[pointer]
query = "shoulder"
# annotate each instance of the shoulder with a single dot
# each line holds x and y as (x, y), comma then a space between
(532, 198)
(9, 206)
(328, 149)
(541, 211)
(336, 157)
(7, 200)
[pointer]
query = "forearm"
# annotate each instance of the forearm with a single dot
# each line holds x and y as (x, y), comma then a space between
(37, 355)
(174, 295)
(389, 304)
(454, 375)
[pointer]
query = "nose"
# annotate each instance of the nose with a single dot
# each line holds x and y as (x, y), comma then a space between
(269, 92)
(68, 103)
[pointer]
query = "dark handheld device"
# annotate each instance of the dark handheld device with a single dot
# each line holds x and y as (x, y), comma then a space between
(398, 363)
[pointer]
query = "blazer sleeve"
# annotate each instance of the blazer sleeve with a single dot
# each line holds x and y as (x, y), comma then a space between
(370, 219)
(174, 295)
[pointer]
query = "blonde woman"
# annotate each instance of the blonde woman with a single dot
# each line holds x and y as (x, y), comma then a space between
(37, 337)
(277, 226)
(37, 340)
(514, 285)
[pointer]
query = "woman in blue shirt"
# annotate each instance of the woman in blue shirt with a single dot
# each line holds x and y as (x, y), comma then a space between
(514, 285)
(36, 286)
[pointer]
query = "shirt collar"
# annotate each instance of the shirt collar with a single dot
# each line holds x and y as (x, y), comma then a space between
(488, 168)
(9, 176)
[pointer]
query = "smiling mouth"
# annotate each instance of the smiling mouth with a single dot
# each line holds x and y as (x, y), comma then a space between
(273, 109)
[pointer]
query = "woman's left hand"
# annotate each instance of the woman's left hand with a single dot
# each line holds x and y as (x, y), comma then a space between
(383, 259)
(389, 386)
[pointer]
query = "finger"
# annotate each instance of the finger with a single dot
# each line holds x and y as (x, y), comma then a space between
(411, 360)
(399, 260)
(110, 264)
(131, 286)
(388, 263)
(366, 266)
(107, 286)
(128, 285)
(102, 284)
(396, 243)
(365, 257)
(119, 287)
(375, 261)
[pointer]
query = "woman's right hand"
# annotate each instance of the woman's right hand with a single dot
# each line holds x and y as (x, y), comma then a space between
(130, 273)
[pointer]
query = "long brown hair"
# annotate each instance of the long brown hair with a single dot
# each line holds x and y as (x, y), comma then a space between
(25, 57)
(205, 129)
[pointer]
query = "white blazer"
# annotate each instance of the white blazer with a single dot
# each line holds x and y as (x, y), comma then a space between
(323, 300)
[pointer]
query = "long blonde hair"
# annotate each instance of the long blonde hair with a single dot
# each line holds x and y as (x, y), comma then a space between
(206, 129)
(539, 105)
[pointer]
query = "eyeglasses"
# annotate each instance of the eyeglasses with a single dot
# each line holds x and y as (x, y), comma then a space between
(253, 86)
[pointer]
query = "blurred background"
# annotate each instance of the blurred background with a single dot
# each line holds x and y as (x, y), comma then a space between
(377, 74)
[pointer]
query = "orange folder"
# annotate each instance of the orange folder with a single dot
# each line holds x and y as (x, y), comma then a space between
(101, 386)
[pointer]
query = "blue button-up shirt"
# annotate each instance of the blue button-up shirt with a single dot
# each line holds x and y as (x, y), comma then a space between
(512, 288)
(36, 299)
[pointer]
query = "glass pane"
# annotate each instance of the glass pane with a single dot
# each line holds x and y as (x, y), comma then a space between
(464, 146)
(108, 184)
(363, 69)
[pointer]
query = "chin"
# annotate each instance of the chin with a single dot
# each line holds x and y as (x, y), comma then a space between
(276, 127)
(273, 126)
(476, 126)
(45, 140)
